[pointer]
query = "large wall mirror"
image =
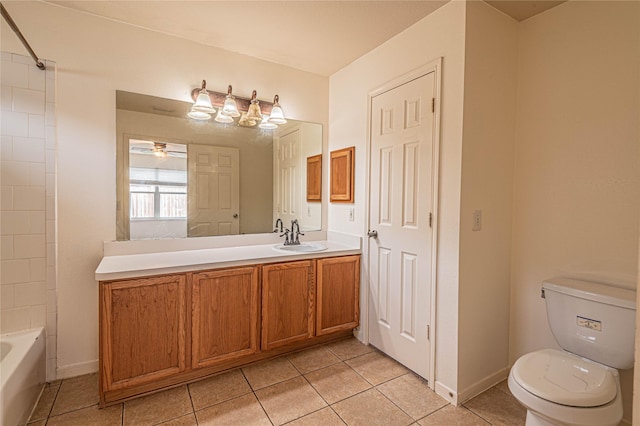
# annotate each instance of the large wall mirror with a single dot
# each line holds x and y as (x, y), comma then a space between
(178, 177)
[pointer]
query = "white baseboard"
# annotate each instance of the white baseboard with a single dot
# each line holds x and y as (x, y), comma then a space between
(73, 370)
(447, 393)
(482, 385)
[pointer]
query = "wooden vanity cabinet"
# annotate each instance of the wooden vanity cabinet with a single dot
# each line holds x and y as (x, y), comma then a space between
(338, 294)
(143, 330)
(224, 317)
(288, 303)
(157, 332)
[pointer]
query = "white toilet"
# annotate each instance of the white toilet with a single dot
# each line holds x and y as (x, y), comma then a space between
(578, 386)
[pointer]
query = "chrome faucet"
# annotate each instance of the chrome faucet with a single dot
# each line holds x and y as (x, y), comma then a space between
(295, 232)
(284, 232)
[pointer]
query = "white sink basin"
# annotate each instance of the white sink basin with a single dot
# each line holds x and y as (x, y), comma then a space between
(301, 248)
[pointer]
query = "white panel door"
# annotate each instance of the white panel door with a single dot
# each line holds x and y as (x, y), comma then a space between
(288, 177)
(213, 190)
(400, 205)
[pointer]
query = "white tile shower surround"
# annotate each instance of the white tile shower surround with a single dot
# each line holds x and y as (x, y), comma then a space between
(27, 202)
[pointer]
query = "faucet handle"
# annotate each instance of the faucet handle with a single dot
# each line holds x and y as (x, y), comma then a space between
(285, 234)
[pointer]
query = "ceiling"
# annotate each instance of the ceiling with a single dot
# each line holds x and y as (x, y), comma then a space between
(315, 36)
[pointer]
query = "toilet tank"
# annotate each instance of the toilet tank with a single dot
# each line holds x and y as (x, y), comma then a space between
(595, 321)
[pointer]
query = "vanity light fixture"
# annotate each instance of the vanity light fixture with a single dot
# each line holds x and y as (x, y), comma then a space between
(265, 124)
(254, 113)
(230, 107)
(202, 108)
(277, 115)
(263, 113)
(245, 121)
(221, 117)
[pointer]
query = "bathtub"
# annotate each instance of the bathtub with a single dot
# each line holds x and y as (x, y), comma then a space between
(22, 374)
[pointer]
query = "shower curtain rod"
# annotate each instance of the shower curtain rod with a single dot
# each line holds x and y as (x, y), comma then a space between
(16, 30)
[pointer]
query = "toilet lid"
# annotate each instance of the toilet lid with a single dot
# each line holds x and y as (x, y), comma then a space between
(564, 378)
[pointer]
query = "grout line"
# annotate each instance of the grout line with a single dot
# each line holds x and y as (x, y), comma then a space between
(55, 399)
(395, 405)
(476, 414)
(256, 396)
(193, 407)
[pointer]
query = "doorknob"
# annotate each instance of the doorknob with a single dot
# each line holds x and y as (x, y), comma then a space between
(235, 215)
(373, 234)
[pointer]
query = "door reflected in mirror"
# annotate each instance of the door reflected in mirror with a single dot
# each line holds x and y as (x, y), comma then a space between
(177, 177)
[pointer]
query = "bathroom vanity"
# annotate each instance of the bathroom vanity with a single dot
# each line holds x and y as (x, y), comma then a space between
(173, 317)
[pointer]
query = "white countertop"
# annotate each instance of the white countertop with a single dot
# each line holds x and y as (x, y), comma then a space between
(147, 264)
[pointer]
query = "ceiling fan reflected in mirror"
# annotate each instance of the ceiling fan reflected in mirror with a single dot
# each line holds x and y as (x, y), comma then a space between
(159, 149)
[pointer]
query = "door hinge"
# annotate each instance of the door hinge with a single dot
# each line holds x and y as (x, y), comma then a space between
(430, 220)
(433, 104)
(428, 332)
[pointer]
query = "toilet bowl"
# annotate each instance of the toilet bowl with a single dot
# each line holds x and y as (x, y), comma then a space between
(594, 324)
(560, 388)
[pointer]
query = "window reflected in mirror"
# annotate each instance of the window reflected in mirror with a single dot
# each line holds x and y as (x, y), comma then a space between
(157, 189)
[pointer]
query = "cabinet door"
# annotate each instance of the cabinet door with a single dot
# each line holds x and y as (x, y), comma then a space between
(338, 294)
(142, 330)
(288, 303)
(225, 315)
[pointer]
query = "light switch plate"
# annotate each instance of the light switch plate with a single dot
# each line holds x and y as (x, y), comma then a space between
(477, 220)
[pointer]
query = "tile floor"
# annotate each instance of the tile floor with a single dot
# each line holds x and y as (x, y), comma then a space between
(339, 383)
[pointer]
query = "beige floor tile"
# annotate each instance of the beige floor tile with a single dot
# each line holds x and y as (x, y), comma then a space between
(498, 408)
(218, 389)
(45, 403)
(370, 408)
(54, 384)
(349, 348)
(452, 416)
(269, 372)
(412, 395)
(376, 368)
(90, 416)
(504, 387)
(188, 420)
(324, 417)
(158, 407)
(289, 400)
(337, 382)
(244, 410)
(313, 359)
(75, 393)
(42, 422)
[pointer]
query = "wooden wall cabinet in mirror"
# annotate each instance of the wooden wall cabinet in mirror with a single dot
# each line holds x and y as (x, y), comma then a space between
(314, 178)
(342, 175)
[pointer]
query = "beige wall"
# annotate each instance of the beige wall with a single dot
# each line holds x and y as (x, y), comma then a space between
(440, 34)
(577, 175)
(95, 57)
(491, 42)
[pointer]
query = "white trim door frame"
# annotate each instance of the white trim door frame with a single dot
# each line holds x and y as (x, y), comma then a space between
(435, 67)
